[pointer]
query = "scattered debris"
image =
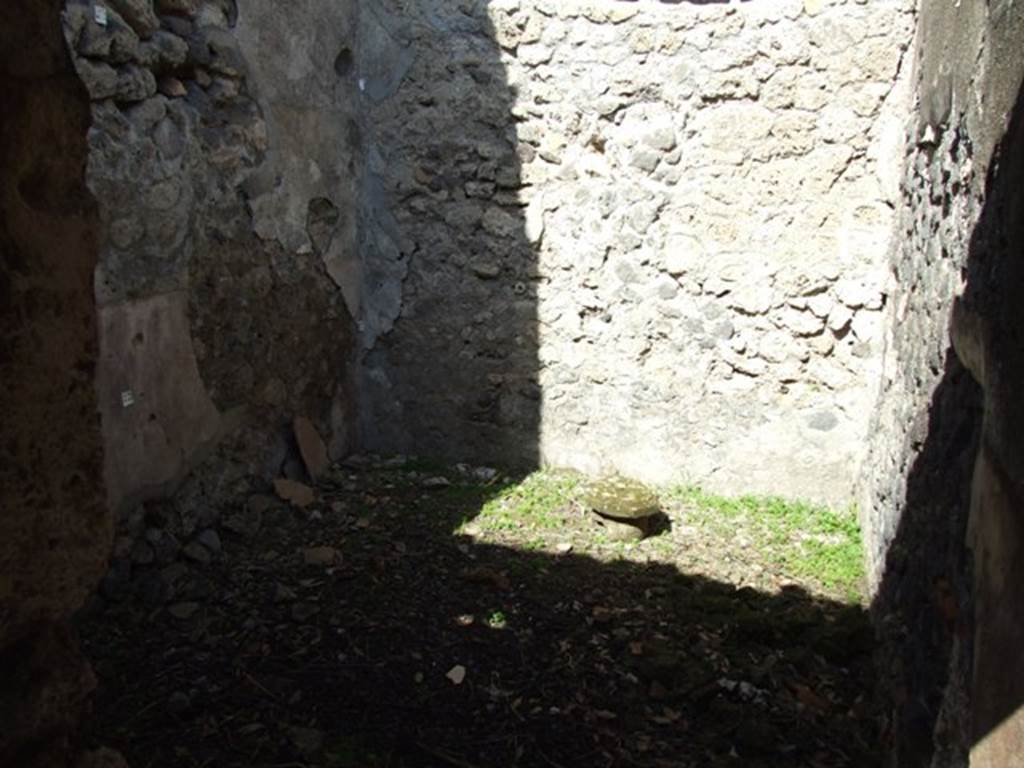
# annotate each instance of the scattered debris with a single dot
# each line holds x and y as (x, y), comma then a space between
(209, 539)
(456, 674)
(197, 552)
(309, 741)
(483, 575)
(183, 610)
(279, 651)
(299, 494)
(321, 556)
(304, 611)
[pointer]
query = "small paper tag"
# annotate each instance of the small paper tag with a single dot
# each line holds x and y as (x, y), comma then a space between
(100, 14)
(127, 399)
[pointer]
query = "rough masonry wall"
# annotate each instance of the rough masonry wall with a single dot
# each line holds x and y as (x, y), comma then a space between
(637, 237)
(943, 487)
(449, 302)
(222, 159)
(55, 531)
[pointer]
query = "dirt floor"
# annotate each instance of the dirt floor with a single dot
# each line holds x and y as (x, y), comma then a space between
(413, 617)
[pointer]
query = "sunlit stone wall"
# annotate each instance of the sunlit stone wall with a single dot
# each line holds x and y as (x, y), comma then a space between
(641, 237)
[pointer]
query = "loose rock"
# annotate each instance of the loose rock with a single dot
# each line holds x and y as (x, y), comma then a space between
(311, 446)
(321, 556)
(299, 494)
(183, 610)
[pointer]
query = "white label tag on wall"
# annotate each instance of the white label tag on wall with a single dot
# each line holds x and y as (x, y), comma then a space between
(99, 13)
(127, 398)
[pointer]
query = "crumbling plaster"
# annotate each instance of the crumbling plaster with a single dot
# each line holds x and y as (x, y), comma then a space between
(224, 158)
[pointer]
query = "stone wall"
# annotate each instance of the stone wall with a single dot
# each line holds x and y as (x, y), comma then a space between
(942, 489)
(640, 237)
(55, 531)
(223, 159)
(646, 237)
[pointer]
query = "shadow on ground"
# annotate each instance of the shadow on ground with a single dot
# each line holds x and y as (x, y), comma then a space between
(338, 636)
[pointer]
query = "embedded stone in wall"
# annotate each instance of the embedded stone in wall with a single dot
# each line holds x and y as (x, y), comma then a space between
(139, 14)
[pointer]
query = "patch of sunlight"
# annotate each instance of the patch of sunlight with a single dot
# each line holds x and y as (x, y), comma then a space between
(535, 503)
(764, 541)
(800, 540)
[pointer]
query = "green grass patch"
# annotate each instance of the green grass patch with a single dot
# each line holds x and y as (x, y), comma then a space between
(802, 540)
(793, 540)
(535, 503)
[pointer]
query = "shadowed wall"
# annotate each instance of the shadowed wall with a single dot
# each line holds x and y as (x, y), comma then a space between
(55, 530)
